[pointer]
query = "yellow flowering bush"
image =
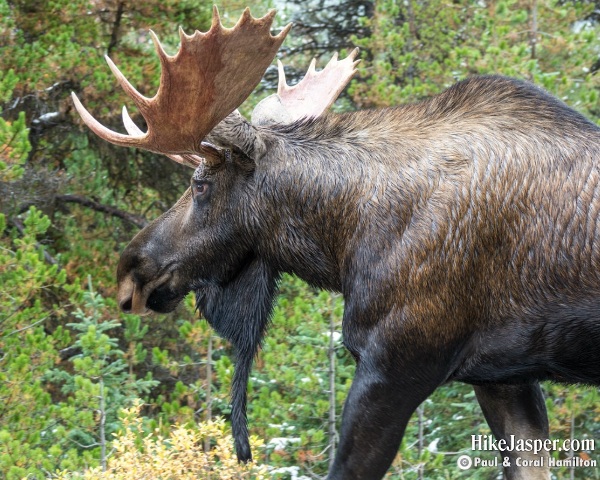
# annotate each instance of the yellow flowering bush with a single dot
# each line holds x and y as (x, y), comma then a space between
(181, 456)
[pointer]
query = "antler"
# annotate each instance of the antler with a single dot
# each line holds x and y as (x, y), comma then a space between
(314, 94)
(210, 76)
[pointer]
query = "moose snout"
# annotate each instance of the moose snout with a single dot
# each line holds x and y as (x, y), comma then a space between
(133, 295)
(139, 272)
(130, 297)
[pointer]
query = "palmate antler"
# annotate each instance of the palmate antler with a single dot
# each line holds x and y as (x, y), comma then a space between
(310, 97)
(209, 77)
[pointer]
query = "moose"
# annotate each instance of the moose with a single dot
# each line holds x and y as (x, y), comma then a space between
(463, 232)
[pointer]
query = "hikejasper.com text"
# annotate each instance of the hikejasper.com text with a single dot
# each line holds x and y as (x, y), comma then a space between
(514, 444)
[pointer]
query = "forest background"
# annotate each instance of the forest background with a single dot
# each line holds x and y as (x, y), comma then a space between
(86, 391)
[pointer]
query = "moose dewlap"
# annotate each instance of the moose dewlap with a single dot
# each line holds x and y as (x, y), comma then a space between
(463, 232)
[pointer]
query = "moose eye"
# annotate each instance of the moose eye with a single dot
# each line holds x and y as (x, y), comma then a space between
(200, 189)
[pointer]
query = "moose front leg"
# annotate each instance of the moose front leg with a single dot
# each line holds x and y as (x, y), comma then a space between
(517, 410)
(394, 374)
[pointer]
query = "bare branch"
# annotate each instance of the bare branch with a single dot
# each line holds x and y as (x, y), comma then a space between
(136, 220)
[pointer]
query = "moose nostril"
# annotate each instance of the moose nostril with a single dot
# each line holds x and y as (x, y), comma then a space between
(126, 305)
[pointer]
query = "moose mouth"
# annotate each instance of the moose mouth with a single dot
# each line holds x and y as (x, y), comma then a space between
(166, 291)
(163, 299)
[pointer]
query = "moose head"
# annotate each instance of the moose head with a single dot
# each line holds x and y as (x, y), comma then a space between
(205, 238)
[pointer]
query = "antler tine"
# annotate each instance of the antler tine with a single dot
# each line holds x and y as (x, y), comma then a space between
(281, 81)
(216, 18)
(140, 101)
(200, 85)
(101, 130)
(132, 128)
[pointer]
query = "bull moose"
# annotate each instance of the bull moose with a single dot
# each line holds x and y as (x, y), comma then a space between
(463, 232)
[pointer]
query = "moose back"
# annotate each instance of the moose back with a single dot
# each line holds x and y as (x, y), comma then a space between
(463, 232)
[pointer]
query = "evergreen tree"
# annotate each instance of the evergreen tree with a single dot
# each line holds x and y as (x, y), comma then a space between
(99, 387)
(69, 361)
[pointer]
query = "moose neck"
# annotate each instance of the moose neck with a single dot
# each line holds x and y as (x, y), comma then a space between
(321, 186)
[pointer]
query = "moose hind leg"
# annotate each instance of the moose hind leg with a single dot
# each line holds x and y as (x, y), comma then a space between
(517, 410)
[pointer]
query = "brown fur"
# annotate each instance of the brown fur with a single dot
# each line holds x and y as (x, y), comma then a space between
(463, 232)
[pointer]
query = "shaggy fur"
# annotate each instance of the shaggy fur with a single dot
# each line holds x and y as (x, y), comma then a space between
(463, 232)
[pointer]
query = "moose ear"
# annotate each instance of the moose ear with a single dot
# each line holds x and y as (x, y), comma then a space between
(234, 131)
